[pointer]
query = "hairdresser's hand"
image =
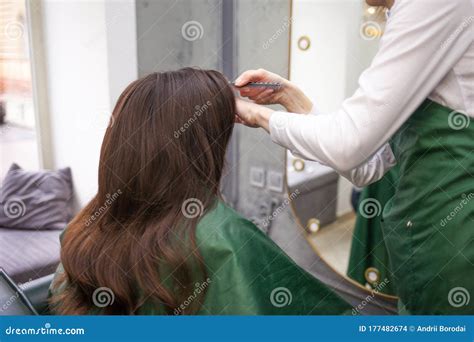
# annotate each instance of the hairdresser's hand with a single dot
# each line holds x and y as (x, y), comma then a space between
(288, 95)
(252, 115)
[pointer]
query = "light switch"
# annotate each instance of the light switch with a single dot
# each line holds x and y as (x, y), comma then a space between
(275, 181)
(257, 177)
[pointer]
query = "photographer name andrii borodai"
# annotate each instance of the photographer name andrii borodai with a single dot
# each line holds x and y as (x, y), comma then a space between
(441, 328)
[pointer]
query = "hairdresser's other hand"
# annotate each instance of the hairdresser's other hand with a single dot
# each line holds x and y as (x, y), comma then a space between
(288, 95)
(252, 114)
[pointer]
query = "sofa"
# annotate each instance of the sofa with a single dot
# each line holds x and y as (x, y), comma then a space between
(35, 207)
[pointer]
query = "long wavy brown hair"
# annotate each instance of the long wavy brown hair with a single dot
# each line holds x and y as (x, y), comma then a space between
(161, 162)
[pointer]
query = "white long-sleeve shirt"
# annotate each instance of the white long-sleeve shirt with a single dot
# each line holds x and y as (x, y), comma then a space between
(427, 51)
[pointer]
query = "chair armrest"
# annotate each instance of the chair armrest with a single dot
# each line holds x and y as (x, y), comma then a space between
(37, 292)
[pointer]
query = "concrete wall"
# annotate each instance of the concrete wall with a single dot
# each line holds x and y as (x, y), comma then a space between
(262, 31)
(165, 34)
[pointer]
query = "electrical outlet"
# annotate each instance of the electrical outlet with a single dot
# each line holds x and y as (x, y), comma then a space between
(275, 181)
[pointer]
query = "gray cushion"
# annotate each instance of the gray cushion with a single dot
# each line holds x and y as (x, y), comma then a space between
(36, 200)
(29, 254)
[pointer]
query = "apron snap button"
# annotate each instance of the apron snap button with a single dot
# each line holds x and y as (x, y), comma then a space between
(409, 224)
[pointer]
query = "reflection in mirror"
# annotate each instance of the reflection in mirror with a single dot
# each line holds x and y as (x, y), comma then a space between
(331, 45)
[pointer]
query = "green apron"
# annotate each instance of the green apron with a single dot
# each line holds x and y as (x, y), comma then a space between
(428, 225)
(369, 260)
(248, 274)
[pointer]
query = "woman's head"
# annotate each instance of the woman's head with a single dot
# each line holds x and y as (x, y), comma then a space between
(168, 138)
(164, 149)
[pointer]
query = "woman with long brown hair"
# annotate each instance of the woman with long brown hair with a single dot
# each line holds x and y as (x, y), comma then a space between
(157, 238)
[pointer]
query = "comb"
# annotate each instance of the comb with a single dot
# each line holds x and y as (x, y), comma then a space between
(259, 85)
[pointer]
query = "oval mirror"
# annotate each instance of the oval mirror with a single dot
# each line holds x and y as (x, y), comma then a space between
(340, 222)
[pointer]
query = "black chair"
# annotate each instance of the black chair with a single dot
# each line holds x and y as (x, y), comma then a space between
(30, 298)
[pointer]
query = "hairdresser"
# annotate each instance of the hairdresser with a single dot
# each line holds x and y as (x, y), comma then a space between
(415, 108)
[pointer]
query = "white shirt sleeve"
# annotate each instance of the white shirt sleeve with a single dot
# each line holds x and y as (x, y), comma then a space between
(423, 41)
(369, 172)
(373, 169)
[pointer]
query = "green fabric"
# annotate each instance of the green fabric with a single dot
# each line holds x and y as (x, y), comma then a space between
(368, 250)
(429, 223)
(248, 274)
(246, 267)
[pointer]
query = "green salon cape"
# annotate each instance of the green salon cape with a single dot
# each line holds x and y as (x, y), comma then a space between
(369, 262)
(248, 274)
(428, 225)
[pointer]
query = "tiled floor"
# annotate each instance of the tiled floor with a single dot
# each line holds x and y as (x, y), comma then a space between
(333, 242)
(17, 145)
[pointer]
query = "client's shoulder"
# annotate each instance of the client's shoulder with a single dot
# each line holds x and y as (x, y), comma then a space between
(223, 224)
(223, 218)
